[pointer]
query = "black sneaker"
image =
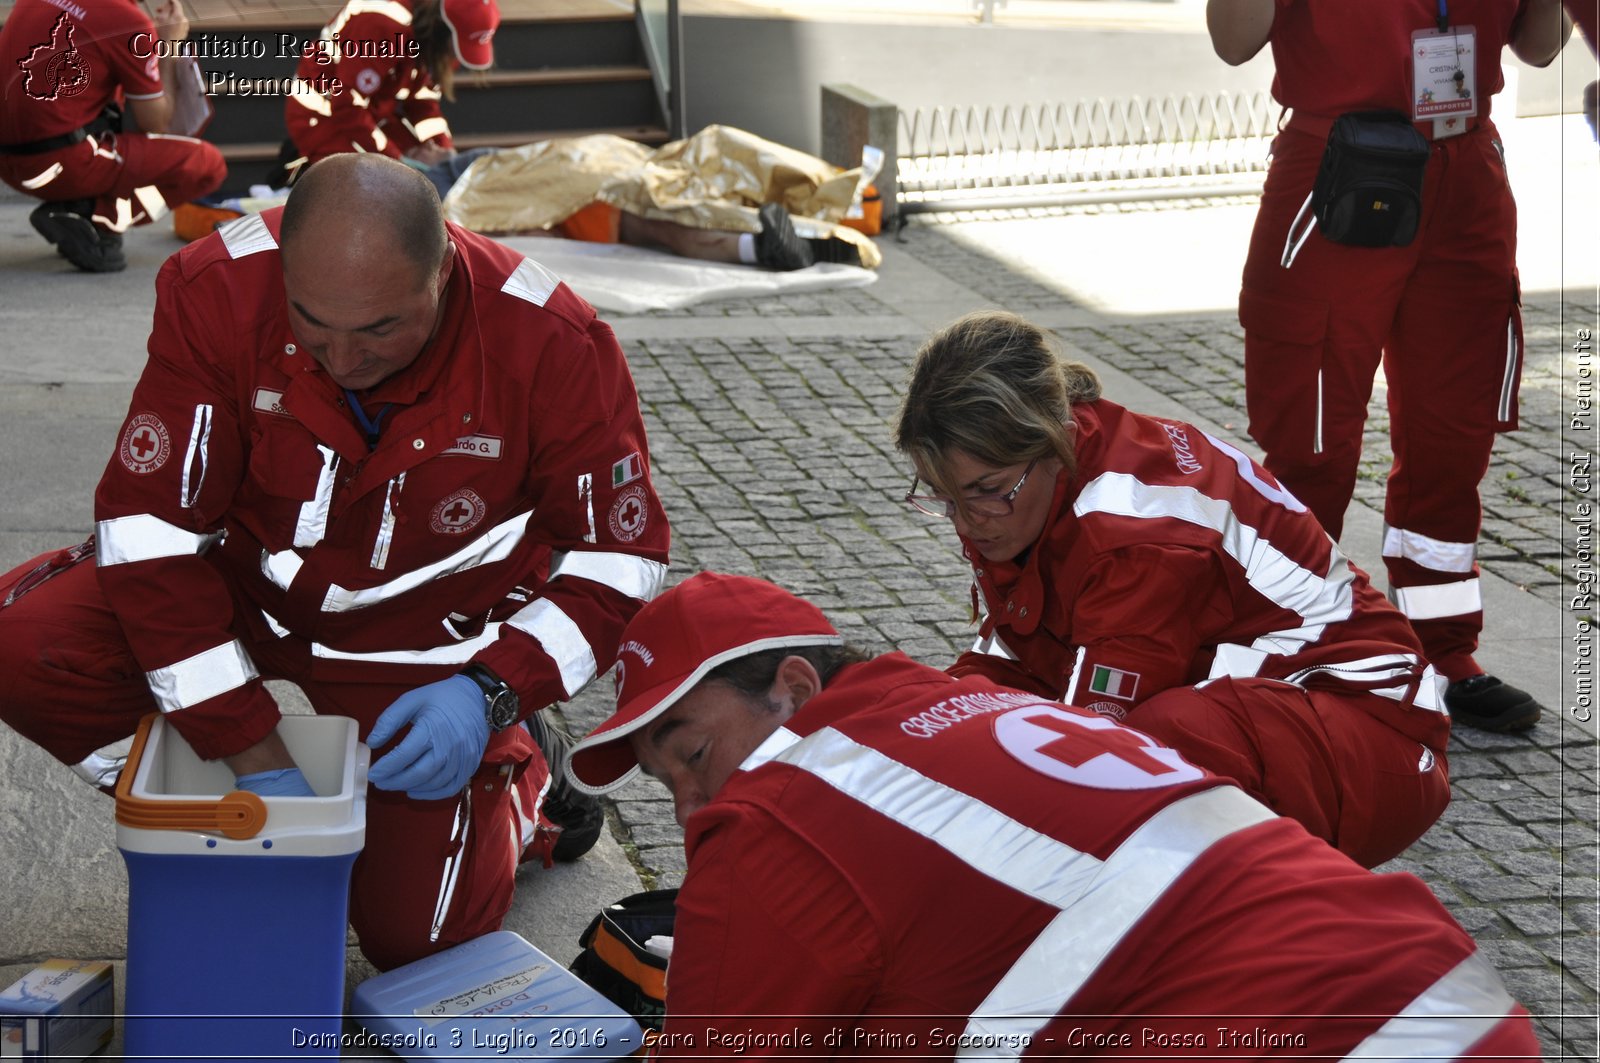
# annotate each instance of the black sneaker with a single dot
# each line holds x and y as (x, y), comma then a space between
(778, 246)
(1483, 702)
(78, 239)
(579, 815)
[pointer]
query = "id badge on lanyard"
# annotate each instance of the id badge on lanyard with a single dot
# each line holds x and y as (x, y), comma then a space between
(1444, 76)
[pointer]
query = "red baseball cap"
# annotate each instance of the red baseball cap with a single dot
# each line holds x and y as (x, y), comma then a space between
(670, 645)
(472, 24)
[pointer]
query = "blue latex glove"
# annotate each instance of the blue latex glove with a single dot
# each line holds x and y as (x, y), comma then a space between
(284, 782)
(449, 733)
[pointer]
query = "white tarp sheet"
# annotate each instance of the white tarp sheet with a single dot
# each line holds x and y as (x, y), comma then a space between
(624, 279)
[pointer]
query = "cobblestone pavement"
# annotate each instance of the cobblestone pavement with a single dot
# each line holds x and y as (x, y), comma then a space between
(769, 425)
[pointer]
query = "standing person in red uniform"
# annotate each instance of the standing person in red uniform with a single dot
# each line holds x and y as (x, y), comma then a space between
(393, 60)
(397, 464)
(884, 860)
(1140, 568)
(1441, 313)
(66, 67)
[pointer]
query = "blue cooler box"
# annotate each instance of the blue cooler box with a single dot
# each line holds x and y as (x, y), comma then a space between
(238, 904)
(494, 997)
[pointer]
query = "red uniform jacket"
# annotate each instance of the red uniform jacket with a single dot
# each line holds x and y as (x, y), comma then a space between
(1171, 558)
(505, 516)
(63, 61)
(924, 867)
(385, 102)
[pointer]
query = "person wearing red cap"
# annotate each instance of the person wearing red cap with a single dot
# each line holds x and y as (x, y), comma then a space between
(1146, 570)
(1435, 301)
(387, 64)
(396, 464)
(886, 860)
(66, 70)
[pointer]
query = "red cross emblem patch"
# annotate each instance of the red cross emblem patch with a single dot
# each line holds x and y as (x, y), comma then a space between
(145, 445)
(1089, 750)
(458, 512)
(629, 514)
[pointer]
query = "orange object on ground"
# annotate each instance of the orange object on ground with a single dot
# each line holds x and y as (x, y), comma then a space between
(871, 220)
(598, 223)
(191, 221)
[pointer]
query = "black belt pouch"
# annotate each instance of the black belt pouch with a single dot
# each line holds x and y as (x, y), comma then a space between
(1369, 190)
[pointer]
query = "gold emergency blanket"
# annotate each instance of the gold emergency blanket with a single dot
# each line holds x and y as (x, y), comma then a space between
(715, 179)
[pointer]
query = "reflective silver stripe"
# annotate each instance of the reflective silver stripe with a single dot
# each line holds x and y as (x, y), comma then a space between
(123, 540)
(637, 577)
(454, 653)
(1445, 599)
(151, 201)
(205, 675)
(532, 282)
(312, 524)
(494, 545)
(1247, 472)
(380, 548)
(1508, 382)
(1451, 1016)
(1099, 914)
(1437, 554)
(53, 171)
(429, 128)
(1077, 674)
(429, 92)
(1236, 661)
(562, 639)
(992, 645)
(1291, 243)
(586, 500)
(1316, 432)
(199, 449)
(1100, 901)
(281, 568)
(246, 236)
(313, 101)
(99, 770)
(1318, 600)
(460, 831)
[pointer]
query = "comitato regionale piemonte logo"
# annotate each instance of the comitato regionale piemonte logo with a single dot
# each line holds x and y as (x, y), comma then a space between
(55, 69)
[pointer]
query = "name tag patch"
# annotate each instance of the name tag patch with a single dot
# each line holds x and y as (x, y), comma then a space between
(478, 447)
(269, 401)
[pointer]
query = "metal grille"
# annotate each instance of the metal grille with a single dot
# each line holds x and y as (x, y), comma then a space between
(1093, 151)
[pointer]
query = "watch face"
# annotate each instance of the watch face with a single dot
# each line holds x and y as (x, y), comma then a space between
(503, 709)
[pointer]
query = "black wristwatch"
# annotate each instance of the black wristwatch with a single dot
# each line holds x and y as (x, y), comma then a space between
(501, 706)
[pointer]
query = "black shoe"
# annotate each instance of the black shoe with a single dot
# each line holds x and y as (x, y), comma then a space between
(831, 250)
(579, 815)
(78, 239)
(1483, 702)
(778, 246)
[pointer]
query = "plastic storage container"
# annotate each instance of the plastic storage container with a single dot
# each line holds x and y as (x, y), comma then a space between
(237, 904)
(494, 997)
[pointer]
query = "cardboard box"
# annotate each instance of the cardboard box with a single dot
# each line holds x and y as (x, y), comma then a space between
(59, 1010)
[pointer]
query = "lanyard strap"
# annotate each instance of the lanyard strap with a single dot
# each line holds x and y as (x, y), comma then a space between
(370, 425)
(1444, 16)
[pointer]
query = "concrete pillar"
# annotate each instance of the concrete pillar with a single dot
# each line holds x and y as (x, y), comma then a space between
(852, 118)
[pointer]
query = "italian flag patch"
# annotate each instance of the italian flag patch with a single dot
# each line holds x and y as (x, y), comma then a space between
(627, 470)
(1114, 682)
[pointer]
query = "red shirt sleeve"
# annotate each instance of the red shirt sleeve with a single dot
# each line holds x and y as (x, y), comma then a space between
(1141, 616)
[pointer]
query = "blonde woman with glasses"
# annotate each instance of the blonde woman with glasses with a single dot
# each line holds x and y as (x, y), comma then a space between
(1138, 567)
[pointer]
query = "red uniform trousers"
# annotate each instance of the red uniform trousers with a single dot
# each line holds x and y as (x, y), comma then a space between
(133, 178)
(1443, 315)
(1315, 756)
(432, 873)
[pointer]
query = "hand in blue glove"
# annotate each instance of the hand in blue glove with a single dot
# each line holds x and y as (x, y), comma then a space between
(449, 733)
(284, 782)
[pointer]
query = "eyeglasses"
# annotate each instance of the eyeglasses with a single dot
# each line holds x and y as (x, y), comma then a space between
(995, 505)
